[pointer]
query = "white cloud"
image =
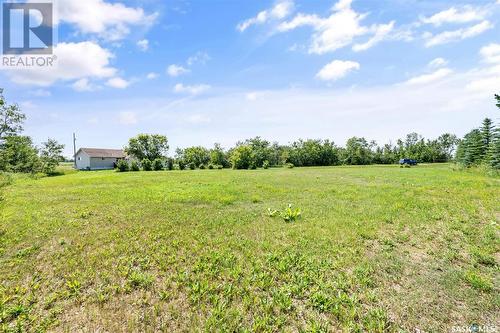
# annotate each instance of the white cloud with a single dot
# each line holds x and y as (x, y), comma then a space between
(381, 33)
(484, 84)
(175, 70)
(337, 69)
(457, 35)
(74, 61)
(453, 15)
(143, 45)
(83, 85)
(118, 83)
(428, 78)
(152, 76)
(107, 20)
(41, 93)
(489, 78)
(438, 62)
(127, 118)
(281, 10)
(491, 53)
(339, 29)
(198, 119)
(252, 96)
(198, 58)
(192, 90)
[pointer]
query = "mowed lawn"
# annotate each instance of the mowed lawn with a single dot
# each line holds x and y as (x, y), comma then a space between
(378, 248)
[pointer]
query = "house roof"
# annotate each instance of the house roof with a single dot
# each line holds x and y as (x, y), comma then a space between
(97, 152)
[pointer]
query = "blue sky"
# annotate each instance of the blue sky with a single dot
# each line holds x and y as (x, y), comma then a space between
(202, 72)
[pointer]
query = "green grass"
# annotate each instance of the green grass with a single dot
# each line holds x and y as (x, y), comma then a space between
(377, 248)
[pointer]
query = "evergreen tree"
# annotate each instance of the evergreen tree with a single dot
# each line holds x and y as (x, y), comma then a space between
(487, 136)
(470, 149)
(495, 150)
(498, 100)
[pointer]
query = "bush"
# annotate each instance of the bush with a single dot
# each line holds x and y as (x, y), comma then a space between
(158, 164)
(220, 167)
(211, 166)
(169, 164)
(191, 166)
(134, 166)
(181, 165)
(202, 166)
(265, 165)
(289, 165)
(252, 166)
(147, 165)
(122, 166)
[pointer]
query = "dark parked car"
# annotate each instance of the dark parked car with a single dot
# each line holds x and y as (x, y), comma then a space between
(407, 161)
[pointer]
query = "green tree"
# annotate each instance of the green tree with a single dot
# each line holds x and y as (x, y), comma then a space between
(487, 130)
(11, 118)
(196, 155)
(358, 152)
(469, 151)
(242, 157)
(447, 145)
(313, 153)
(18, 154)
(260, 150)
(495, 150)
(51, 155)
(148, 146)
(497, 97)
(218, 156)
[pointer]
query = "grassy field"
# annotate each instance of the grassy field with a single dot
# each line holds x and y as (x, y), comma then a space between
(378, 248)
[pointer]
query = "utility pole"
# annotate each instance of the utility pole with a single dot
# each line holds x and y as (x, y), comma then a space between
(74, 150)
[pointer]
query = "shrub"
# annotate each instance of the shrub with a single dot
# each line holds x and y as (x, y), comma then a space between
(202, 166)
(252, 166)
(169, 164)
(122, 166)
(147, 165)
(134, 166)
(211, 166)
(158, 164)
(289, 165)
(265, 165)
(220, 167)
(181, 165)
(191, 166)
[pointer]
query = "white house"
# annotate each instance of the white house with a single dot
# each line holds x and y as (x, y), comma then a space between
(98, 159)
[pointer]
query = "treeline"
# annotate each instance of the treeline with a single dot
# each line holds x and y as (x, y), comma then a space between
(17, 152)
(257, 152)
(148, 153)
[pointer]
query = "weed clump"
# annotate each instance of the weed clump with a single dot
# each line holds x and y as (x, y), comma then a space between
(289, 214)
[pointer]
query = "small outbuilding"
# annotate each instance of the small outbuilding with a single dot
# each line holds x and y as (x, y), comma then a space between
(98, 159)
